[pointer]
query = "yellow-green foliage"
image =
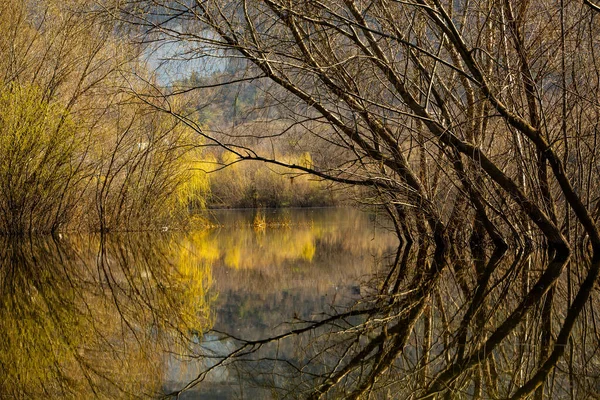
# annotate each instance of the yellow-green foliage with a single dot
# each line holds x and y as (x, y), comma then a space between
(230, 159)
(77, 150)
(195, 189)
(41, 163)
(139, 171)
(149, 174)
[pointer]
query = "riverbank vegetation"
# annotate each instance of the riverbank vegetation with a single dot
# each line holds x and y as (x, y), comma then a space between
(77, 150)
(80, 149)
(255, 185)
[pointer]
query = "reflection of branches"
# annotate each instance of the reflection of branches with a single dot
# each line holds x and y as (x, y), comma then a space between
(394, 342)
(79, 323)
(248, 347)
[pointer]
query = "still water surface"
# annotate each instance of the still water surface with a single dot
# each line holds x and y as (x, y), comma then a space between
(129, 315)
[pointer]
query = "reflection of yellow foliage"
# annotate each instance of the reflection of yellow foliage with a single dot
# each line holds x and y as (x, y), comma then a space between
(308, 251)
(260, 221)
(194, 276)
(243, 247)
(233, 257)
(204, 247)
(247, 247)
(82, 323)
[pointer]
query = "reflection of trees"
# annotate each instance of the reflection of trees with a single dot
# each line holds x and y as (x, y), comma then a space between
(275, 278)
(293, 241)
(425, 332)
(93, 317)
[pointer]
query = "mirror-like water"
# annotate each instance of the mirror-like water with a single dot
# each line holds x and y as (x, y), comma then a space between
(302, 264)
(122, 316)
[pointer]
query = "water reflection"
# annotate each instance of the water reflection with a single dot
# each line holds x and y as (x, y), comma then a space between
(320, 259)
(87, 317)
(305, 265)
(431, 322)
(315, 304)
(127, 316)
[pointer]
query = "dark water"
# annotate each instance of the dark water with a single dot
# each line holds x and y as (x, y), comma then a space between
(131, 315)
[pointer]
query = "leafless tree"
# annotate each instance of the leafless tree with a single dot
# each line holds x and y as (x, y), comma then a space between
(476, 125)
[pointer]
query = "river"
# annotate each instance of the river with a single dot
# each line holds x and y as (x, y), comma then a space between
(144, 314)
